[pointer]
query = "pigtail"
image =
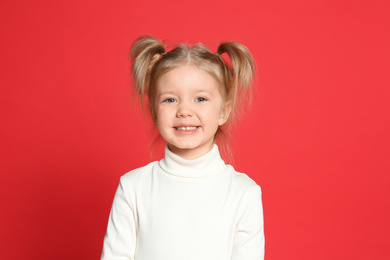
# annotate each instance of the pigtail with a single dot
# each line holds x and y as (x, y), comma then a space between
(144, 53)
(242, 73)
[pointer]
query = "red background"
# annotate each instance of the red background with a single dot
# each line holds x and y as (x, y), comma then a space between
(316, 138)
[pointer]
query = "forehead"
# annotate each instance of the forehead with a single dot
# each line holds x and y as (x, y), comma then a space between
(187, 78)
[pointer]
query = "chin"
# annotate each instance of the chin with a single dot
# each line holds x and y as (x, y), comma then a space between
(190, 146)
(184, 147)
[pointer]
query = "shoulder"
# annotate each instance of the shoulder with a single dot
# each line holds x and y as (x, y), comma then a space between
(244, 194)
(138, 175)
(242, 187)
(249, 195)
(241, 179)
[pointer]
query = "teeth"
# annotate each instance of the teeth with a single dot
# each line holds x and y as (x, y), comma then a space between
(187, 128)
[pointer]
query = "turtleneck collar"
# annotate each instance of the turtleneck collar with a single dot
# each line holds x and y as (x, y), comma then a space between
(197, 170)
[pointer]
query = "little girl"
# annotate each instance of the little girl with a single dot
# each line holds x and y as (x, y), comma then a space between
(190, 205)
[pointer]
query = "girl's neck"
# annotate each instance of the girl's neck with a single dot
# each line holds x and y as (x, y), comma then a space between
(202, 169)
(190, 154)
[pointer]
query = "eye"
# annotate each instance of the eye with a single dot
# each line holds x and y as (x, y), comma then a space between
(201, 99)
(169, 100)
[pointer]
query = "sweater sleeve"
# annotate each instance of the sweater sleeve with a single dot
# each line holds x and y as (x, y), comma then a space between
(120, 239)
(248, 241)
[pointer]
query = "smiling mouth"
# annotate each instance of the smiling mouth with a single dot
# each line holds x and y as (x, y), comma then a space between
(186, 128)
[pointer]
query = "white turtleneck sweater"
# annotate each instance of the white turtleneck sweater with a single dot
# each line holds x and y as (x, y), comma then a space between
(178, 209)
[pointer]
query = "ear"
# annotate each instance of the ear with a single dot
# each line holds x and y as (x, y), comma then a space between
(225, 113)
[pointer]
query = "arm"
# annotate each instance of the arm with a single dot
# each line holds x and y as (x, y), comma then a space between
(248, 241)
(120, 239)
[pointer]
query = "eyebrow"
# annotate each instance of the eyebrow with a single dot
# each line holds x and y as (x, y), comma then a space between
(202, 90)
(166, 92)
(169, 92)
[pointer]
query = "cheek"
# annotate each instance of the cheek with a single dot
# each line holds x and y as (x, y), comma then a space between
(211, 118)
(163, 115)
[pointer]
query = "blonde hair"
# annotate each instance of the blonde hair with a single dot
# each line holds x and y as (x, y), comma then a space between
(150, 61)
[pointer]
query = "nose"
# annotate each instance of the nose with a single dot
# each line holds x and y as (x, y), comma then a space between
(184, 110)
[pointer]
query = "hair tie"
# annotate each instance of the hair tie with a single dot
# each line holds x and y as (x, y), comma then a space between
(219, 56)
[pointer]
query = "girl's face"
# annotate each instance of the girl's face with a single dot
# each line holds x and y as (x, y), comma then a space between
(189, 109)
